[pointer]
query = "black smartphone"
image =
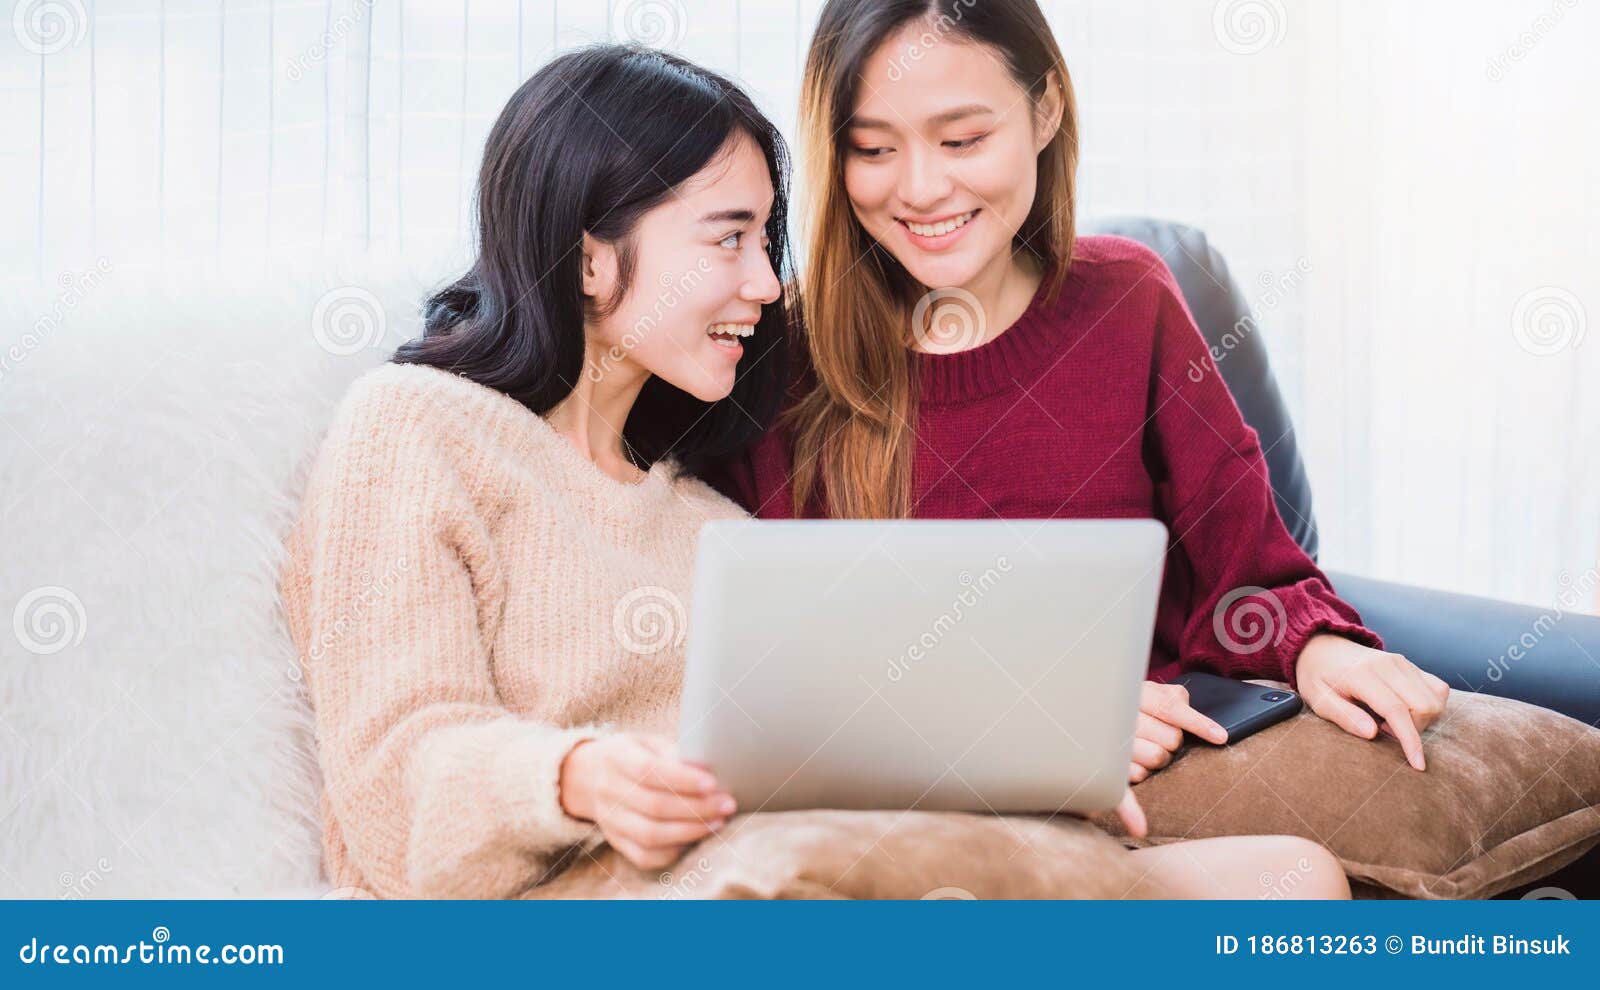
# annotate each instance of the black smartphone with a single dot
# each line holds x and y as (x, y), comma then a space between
(1239, 707)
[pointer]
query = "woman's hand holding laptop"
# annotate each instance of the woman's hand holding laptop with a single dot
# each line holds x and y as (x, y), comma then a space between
(650, 804)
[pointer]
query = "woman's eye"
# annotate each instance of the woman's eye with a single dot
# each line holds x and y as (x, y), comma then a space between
(966, 143)
(870, 152)
(734, 237)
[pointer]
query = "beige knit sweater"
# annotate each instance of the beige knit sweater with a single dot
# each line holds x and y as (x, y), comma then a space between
(470, 597)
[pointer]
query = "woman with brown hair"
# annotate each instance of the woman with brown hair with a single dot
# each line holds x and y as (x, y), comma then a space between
(965, 355)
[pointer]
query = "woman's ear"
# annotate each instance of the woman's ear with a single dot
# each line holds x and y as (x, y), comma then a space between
(1047, 113)
(599, 269)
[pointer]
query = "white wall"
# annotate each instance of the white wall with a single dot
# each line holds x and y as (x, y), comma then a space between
(1433, 163)
(1453, 161)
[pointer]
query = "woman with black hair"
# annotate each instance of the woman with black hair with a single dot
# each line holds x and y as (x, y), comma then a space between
(489, 579)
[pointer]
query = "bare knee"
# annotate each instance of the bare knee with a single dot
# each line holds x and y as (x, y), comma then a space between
(1241, 867)
(1300, 869)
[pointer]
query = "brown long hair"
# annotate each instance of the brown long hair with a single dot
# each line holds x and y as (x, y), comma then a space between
(853, 430)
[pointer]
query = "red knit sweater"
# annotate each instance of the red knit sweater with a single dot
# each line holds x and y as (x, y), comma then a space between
(1106, 405)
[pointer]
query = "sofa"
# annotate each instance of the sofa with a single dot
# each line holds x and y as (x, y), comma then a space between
(1461, 638)
(1475, 644)
(155, 740)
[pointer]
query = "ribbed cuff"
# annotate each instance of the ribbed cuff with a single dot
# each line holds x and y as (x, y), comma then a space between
(527, 775)
(1300, 635)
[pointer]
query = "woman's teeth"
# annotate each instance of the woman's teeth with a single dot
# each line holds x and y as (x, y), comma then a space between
(728, 334)
(941, 228)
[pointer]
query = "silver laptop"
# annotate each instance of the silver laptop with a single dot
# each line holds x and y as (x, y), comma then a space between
(957, 665)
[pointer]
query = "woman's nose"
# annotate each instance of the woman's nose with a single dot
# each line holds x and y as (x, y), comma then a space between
(762, 284)
(923, 180)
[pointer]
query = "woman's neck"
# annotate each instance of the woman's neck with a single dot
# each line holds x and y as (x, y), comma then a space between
(592, 417)
(1003, 289)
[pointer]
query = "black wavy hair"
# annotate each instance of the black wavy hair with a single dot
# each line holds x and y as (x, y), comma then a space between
(589, 144)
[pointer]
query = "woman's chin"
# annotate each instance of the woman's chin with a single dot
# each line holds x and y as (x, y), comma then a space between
(709, 388)
(945, 272)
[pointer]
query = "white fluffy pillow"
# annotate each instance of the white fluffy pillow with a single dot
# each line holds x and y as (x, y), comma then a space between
(154, 739)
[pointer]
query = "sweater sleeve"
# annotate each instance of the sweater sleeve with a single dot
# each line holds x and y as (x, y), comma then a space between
(1257, 598)
(438, 789)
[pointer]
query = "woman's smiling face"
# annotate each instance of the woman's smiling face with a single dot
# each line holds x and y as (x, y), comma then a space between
(940, 154)
(701, 276)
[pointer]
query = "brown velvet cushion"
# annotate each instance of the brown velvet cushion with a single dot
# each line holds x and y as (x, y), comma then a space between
(1511, 794)
(872, 854)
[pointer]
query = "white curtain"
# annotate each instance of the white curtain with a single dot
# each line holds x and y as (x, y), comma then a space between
(1407, 190)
